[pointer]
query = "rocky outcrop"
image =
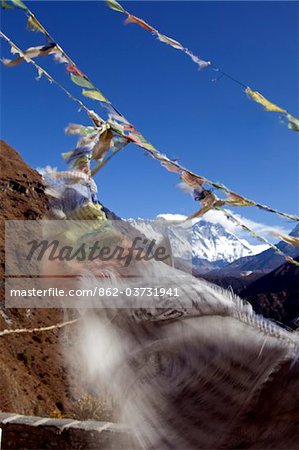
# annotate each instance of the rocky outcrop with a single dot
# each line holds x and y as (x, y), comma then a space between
(34, 377)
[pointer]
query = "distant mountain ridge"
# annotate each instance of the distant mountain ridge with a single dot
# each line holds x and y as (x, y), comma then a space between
(207, 244)
(266, 261)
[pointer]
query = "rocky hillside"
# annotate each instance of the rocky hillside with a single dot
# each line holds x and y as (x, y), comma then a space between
(33, 375)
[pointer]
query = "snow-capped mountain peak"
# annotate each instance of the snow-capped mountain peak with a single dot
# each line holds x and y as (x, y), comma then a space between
(212, 242)
(201, 239)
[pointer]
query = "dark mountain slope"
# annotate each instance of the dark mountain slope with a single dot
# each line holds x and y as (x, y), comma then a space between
(276, 295)
(263, 262)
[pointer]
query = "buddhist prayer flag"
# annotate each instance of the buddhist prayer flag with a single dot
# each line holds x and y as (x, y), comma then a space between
(74, 128)
(140, 22)
(6, 5)
(32, 52)
(293, 123)
(19, 4)
(95, 95)
(170, 166)
(80, 81)
(115, 5)
(191, 180)
(268, 106)
(73, 69)
(237, 200)
(170, 41)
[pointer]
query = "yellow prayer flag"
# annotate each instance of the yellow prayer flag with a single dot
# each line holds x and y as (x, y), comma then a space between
(268, 106)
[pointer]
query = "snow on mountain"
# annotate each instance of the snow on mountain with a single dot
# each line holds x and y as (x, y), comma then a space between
(212, 242)
(178, 234)
(198, 240)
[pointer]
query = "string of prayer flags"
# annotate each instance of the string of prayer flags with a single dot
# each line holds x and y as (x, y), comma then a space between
(92, 92)
(231, 217)
(93, 116)
(76, 75)
(293, 122)
(210, 201)
(81, 156)
(202, 64)
(128, 133)
(120, 125)
(228, 191)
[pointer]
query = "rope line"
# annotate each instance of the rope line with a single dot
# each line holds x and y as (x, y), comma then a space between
(38, 330)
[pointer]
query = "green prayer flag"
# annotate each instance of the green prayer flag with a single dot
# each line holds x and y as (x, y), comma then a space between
(293, 123)
(80, 81)
(19, 4)
(115, 5)
(95, 95)
(6, 5)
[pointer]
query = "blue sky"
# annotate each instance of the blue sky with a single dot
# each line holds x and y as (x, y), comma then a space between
(212, 128)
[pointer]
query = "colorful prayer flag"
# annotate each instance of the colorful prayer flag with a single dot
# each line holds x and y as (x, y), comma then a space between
(293, 123)
(259, 98)
(115, 5)
(80, 81)
(95, 95)
(140, 22)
